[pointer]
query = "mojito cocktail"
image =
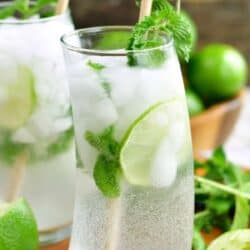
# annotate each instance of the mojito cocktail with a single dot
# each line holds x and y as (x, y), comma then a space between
(36, 135)
(135, 166)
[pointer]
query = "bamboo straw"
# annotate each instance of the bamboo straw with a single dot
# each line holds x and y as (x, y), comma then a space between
(145, 9)
(61, 6)
(178, 6)
(17, 177)
(114, 206)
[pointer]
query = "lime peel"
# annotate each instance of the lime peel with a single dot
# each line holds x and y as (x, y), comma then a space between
(234, 240)
(18, 228)
(20, 102)
(141, 144)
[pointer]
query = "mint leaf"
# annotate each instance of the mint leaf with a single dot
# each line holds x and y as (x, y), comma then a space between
(164, 19)
(242, 210)
(106, 176)
(241, 215)
(62, 143)
(198, 241)
(95, 66)
(107, 87)
(45, 8)
(104, 142)
(9, 150)
(107, 167)
(220, 205)
(222, 195)
(24, 9)
(7, 12)
(157, 4)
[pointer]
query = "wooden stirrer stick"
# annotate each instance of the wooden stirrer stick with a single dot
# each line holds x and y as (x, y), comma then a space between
(115, 205)
(178, 6)
(115, 208)
(17, 177)
(61, 6)
(145, 9)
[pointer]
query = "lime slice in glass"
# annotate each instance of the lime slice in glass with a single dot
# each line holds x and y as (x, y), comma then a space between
(18, 98)
(234, 240)
(147, 157)
(18, 228)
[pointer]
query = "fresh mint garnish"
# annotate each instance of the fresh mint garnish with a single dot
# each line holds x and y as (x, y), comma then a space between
(25, 9)
(198, 241)
(43, 151)
(107, 169)
(222, 197)
(163, 20)
(97, 67)
(62, 143)
(157, 4)
(9, 150)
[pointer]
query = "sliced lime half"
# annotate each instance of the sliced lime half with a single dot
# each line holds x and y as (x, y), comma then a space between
(234, 240)
(18, 98)
(146, 156)
(18, 228)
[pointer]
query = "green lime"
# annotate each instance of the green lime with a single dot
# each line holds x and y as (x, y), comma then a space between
(194, 102)
(113, 40)
(143, 153)
(18, 96)
(18, 228)
(217, 72)
(234, 240)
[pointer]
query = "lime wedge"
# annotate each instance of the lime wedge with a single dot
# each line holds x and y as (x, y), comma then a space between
(234, 240)
(18, 97)
(18, 228)
(147, 157)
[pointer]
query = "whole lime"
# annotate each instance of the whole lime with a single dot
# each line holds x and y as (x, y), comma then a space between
(194, 103)
(217, 72)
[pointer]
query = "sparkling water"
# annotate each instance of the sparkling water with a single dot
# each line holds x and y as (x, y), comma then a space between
(45, 136)
(152, 217)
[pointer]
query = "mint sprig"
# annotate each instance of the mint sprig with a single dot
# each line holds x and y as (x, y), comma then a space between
(164, 19)
(98, 68)
(222, 197)
(23, 9)
(157, 4)
(107, 169)
(9, 150)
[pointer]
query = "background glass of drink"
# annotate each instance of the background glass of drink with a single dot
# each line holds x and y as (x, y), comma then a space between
(36, 135)
(131, 122)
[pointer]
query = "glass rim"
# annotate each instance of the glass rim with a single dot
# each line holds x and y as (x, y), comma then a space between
(30, 21)
(97, 52)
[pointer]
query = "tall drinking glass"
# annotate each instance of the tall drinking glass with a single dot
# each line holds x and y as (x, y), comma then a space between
(36, 135)
(135, 167)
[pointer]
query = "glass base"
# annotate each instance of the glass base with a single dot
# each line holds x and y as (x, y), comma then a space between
(51, 237)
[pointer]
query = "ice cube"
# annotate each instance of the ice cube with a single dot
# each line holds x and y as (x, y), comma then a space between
(8, 69)
(164, 165)
(123, 83)
(23, 135)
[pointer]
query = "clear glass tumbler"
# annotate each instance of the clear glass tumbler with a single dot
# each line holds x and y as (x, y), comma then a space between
(135, 167)
(37, 156)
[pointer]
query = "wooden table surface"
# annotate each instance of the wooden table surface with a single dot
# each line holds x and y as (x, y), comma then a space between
(60, 246)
